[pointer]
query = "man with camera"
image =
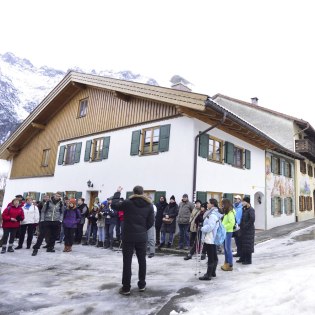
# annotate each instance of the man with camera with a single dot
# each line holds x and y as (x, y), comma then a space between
(138, 219)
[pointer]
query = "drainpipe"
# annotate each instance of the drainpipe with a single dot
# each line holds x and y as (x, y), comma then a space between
(196, 149)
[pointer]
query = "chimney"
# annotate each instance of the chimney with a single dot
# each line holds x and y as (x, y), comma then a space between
(254, 100)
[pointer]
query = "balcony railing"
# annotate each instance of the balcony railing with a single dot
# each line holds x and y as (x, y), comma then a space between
(306, 148)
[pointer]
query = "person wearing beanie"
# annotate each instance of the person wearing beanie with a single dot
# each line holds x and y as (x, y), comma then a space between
(71, 219)
(185, 208)
(169, 222)
(247, 238)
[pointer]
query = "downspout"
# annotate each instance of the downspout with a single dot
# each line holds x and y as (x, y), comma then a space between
(196, 149)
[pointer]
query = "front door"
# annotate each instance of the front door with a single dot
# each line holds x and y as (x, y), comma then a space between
(93, 195)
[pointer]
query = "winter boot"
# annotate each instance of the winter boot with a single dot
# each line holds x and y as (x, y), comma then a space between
(18, 247)
(4, 249)
(207, 275)
(35, 251)
(161, 245)
(69, 249)
(227, 267)
(203, 256)
(213, 274)
(65, 249)
(247, 259)
(169, 245)
(111, 245)
(188, 257)
(106, 244)
(10, 249)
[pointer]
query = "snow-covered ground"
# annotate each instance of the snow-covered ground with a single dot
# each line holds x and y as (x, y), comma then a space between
(281, 280)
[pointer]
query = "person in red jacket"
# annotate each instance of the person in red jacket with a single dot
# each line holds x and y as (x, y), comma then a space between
(11, 218)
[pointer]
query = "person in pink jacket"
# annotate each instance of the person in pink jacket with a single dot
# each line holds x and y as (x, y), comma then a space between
(11, 218)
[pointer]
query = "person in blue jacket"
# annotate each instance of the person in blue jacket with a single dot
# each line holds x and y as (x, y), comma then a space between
(238, 206)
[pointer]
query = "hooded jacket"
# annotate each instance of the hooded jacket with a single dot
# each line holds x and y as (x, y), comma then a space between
(138, 216)
(12, 212)
(210, 225)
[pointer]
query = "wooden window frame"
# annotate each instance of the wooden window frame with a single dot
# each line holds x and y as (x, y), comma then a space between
(288, 205)
(276, 162)
(215, 140)
(310, 170)
(97, 143)
(303, 167)
(287, 169)
(211, 194)
(83, 111)
(143, 138)
(45, 157)
(242, 152)
(72, 157)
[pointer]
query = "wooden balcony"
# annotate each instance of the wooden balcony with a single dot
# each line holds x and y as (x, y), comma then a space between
(306, 148)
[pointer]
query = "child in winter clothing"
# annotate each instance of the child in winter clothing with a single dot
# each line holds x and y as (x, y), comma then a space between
(71, 218)
(11, 218)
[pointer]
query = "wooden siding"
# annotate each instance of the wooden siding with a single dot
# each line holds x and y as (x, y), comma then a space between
(105, 112)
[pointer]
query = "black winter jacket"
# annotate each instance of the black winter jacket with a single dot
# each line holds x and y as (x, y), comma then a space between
(138, 216)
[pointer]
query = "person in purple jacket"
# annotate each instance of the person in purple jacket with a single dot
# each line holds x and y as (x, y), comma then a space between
(71, 218)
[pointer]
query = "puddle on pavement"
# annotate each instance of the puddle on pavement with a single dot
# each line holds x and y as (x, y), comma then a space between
(305, 237)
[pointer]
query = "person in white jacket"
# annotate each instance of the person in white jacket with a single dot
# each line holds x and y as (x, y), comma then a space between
(209, 230)
(31, 218)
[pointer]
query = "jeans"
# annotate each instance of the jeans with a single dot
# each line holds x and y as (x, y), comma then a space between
(109, 232)
(151, 239)
(101, 233)
(30, 228)
(170, 238)
(183, 235)
(91, 229)
(127, 250)
(228, 248)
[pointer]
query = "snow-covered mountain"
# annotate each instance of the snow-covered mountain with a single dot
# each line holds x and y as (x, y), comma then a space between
(23, 86)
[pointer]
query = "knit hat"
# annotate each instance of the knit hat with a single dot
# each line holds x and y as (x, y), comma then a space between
(246, 199)
(73, 201)
(172, 198)
(185, 196)
(198, 201)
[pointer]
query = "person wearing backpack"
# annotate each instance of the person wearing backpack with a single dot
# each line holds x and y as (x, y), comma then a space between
(209, 231)
(228, 222)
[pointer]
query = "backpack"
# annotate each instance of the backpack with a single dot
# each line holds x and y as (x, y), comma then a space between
(220, 235)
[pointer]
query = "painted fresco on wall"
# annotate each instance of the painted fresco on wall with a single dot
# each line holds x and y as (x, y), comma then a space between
(305, 187)
(280, 186)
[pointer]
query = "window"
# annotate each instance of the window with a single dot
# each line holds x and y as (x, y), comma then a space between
(275, 165)
(69, 154)
(215, 150)
(276, 207)
(302, 203)
(150, 140)
(310, 170)
(45, 157)
(70, 194)
(308, 203)
(97, 149)
(288, 207)
(302, 167)
(83, 108)
(215, 195)
(238, 157)
(287, 169)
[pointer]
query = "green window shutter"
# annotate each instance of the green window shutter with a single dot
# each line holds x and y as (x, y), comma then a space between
(128, 194)
(159, 194)
(87, 153)
(272, 206)
(25, 195)
(61, 154)
(204, 145)
(228, 196)
(135, 142)
(105, 150)
(78, 147)
(202, 196)
(37, 196)
(164, 138)
(78, 195)
(229, 152)
(247, 159)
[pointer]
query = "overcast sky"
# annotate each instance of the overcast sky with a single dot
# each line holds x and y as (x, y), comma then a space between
(238, 48)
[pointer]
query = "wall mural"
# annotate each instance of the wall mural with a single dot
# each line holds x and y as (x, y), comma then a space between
(305, 187)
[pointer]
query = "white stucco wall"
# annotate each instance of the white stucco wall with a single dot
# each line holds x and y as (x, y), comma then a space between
(217, 177)
(169, 171)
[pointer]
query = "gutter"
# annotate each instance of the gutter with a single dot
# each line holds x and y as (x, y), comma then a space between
(196, 149)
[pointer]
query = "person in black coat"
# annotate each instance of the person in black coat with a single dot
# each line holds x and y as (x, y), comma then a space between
(160, 207)
(247, 232)
(138, 219)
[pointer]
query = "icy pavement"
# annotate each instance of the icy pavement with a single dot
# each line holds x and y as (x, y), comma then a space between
(86, 281)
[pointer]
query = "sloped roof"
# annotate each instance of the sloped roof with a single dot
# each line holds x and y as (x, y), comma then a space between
(196, 105)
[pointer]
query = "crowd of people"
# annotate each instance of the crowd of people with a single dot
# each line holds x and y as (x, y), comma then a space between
(138, 225)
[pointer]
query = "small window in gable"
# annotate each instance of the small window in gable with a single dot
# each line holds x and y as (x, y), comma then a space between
(83, 105)
(45, 157)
